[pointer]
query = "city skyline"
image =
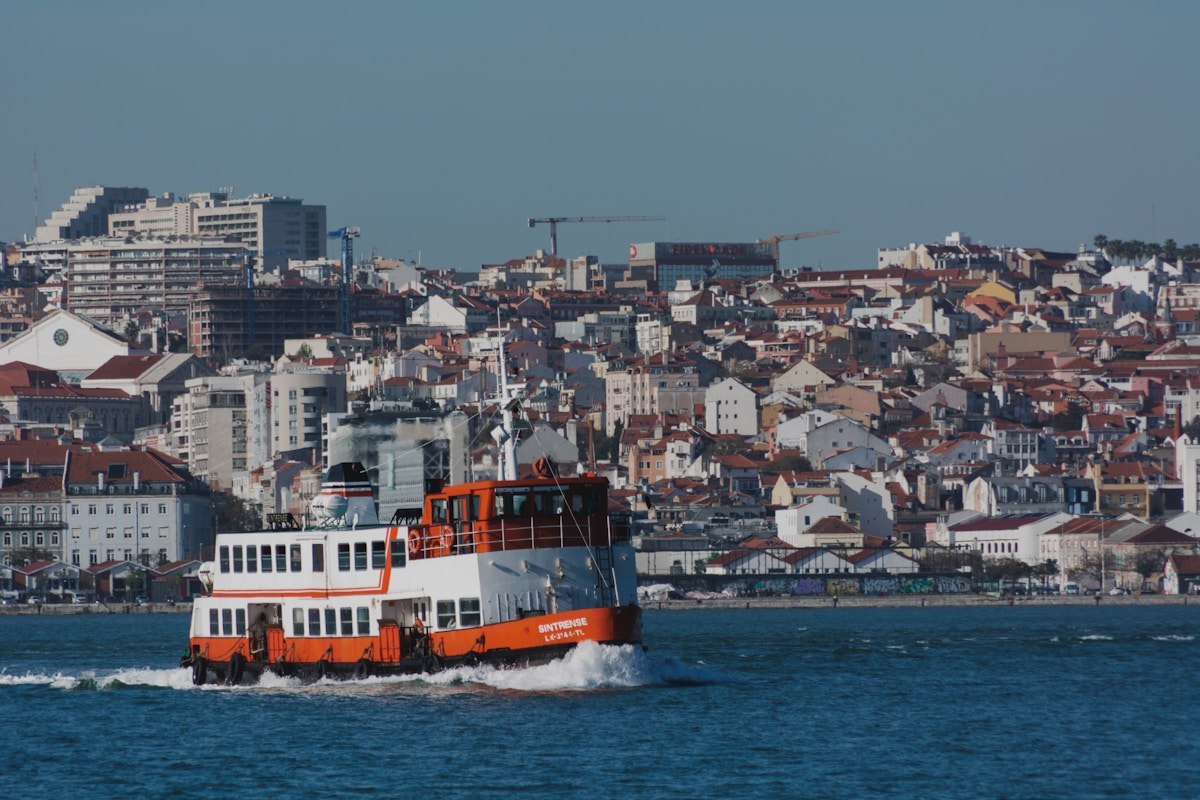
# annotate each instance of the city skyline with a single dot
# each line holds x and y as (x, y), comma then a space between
(440, 130)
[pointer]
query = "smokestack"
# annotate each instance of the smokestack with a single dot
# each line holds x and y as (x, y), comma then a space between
(137, 480)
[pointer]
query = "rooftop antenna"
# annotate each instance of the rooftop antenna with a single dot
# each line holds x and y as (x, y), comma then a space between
(36, 216)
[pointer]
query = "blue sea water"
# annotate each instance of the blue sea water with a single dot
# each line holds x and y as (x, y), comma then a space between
(1011, 702)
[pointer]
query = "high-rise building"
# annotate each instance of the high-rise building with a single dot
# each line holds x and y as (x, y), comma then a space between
(275, 228)
(110, 278)
(87, 212)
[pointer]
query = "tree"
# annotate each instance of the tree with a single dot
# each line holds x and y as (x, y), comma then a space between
(234, 514)
(132, 330)
(24, 556)
(1147, 562)
(1046, 570)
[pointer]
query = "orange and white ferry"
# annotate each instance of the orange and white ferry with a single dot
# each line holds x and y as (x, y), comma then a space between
(508, 571)
(497, 571)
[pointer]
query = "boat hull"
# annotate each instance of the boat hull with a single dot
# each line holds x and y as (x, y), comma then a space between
(531, 640)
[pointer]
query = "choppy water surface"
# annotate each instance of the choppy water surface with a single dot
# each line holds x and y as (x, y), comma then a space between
(942, 702)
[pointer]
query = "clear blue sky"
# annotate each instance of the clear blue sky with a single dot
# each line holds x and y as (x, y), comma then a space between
(439, 127)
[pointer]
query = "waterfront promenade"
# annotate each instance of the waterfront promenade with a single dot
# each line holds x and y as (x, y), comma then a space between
(771, 601)
(919, 601)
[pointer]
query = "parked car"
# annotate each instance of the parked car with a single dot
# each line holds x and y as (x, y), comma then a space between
(34, 600)
(141, 600)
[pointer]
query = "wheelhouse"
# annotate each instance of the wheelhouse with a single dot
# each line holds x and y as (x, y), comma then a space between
(488, 516)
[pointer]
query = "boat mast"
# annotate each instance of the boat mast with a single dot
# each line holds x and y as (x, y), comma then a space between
(506, 438)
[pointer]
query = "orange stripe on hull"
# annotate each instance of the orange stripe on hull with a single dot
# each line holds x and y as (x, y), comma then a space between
(530, 638)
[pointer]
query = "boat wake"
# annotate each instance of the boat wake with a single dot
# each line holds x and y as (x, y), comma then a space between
(588, 667)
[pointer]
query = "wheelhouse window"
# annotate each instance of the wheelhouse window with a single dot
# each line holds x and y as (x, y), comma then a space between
(446, 617)
(512, 503)
(344, 557)
(548, 502)
(437, 510)
(468, 612)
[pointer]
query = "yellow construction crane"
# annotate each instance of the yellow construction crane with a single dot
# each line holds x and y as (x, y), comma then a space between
(790, 237)
(553, 221)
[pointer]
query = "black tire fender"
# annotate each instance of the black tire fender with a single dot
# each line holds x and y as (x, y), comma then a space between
(237, 667)
(199, 671)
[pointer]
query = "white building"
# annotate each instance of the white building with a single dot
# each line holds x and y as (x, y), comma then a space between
(731, 406)
(133, 505)
(71, 345)
(792, 523)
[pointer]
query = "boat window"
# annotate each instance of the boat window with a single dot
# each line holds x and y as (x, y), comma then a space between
(266, 558)
(331, 622)
(318, 557)
(512, 503)
(437, 510)
(297, 621)
(251, 558)
(360, 556)
(468, 612)
(378, 555)
(214, 623)
(224, 558)
(347, 621)
(237, 558)
(548, 502)
(281, 558)
(314, 622)
(399, 556)
(344, 557)
(364, 621)
(226, 622)
(296, 558)
(445, 614)
(464, 508)
(240, 617)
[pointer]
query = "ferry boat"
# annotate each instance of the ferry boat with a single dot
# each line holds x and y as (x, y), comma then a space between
(508, 572)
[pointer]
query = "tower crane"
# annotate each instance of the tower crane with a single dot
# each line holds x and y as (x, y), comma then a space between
(347, 235)
(790, 237)
(553, 222)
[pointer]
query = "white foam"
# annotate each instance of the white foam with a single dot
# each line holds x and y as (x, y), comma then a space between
(588, 666)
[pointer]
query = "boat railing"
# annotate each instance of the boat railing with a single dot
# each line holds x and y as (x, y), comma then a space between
(485, 536)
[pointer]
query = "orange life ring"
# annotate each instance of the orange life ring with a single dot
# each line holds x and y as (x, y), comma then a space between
(447, 539)
(414, 542)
